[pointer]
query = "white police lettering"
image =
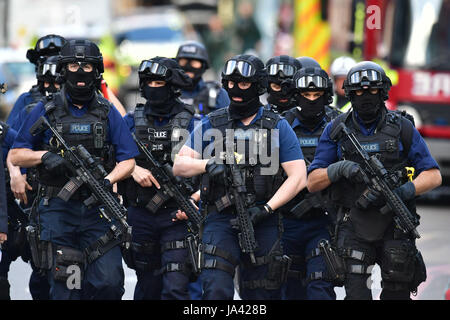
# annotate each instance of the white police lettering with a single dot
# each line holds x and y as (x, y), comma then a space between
(190, 49)
(80, 128)
(308, 142)
(371, 147)
(426, 84)
(160, 134)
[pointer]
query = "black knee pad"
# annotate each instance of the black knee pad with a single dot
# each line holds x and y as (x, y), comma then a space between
(398, 261)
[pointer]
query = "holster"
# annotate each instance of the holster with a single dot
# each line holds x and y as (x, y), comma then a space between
(335, 263)
(41, 251)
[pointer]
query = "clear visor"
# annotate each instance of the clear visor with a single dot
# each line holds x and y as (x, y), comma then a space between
(44, 68)
(47, 42)
(245, 69)
(311, 81)
(371, 75)
(153, 68)
(286, 69)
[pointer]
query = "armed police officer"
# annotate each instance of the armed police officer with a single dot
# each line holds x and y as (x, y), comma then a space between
(70, 230)
(280, 70)
(46, 46)
(158, 252)
(240, 190)
(368, 231)
(306, 217)
(205, 96)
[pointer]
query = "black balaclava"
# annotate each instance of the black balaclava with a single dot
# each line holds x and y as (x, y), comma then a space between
(160, 100)
(80, 95)
(198, 73)
(367, 106)
(274, 98)
(250, 100)
(312, 111)
(49, 89)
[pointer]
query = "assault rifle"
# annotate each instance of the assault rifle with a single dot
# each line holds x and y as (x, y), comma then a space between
(170, 189)
(89, 172)
(377, 178)
(246, 236)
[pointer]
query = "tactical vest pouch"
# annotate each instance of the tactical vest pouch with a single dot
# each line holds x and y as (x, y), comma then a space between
(420, 272)
(279, 268)
(398, 261)
(67, 258)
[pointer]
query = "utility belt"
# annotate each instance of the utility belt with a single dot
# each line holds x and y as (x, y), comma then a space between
(49, 192)
(227, 201)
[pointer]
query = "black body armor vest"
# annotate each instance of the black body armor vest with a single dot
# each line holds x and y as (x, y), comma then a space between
(308, 144)
(248, 139)
(90, 130)
(370, 224)
(162, 141)
(205, 101)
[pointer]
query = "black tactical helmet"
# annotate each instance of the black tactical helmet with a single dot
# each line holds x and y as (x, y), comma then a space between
(46, 70)
(193, 50)
(367, 73)
(80, 50)
(282, 67)
(49, 45)
(308, 62)
(245, 67)
(161, 68)
(314, 79)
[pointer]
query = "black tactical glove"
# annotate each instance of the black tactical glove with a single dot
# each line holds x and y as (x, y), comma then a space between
(215, 170)
(370, 197)
(406, 191)
(107, 184)
(258, 214)
(344, 168)
(54, 163)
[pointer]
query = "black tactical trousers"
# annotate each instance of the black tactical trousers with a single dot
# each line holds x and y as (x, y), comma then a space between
(395, 258)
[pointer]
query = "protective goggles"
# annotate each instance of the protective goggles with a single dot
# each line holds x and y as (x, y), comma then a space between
(46, 67)
(306, 82)
(47, 42)
(153, 68)
(243, 67)
(359, 76)
(286, 69)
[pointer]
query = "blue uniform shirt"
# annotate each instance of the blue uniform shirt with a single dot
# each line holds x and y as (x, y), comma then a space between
(23, 100)
(8, 141)
(222, 99)
(289, 147)
(118, 133)
(328, 151)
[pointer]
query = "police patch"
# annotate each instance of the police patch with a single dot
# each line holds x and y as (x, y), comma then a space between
(371, 147)
(309, 142)
(80, 128)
